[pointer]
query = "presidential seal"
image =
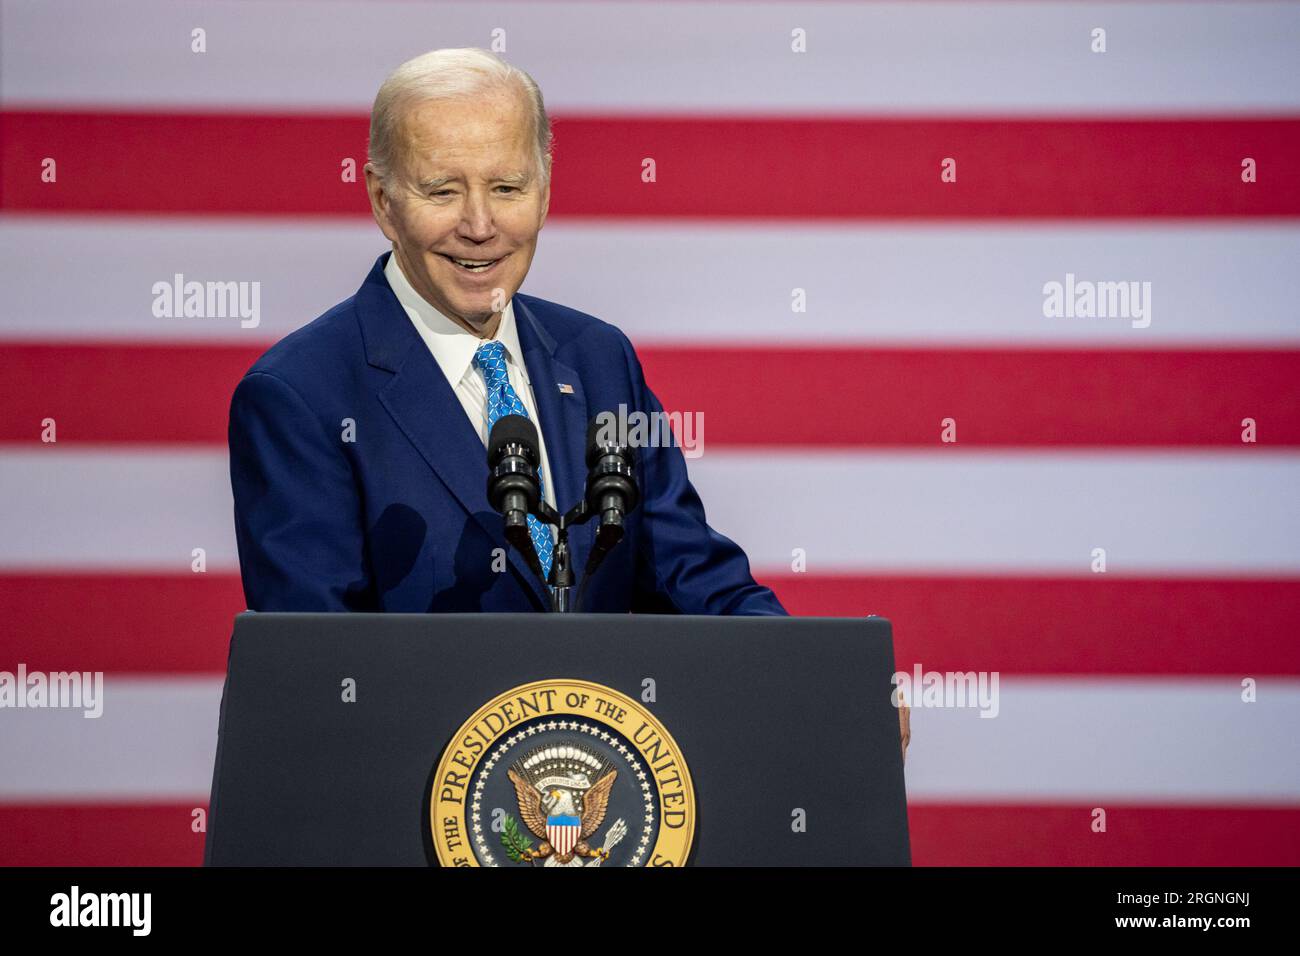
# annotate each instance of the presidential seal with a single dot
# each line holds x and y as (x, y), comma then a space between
(562, 773)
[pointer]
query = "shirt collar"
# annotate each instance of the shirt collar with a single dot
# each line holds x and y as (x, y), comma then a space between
(452, 346)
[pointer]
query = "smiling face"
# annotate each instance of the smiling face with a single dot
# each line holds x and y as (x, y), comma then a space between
(464, 203)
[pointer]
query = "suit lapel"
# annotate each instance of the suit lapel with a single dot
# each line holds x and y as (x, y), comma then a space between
(426, 409)
(564, 422)
(428, 412)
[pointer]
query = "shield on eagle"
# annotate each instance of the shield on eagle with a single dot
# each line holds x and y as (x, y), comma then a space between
(563, 833)
(560, 803)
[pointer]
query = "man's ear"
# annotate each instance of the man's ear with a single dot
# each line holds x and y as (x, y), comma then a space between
(546, 204)
(380, 202)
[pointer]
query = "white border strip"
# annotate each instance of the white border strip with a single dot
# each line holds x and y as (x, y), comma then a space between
(908, 58)
(1220, 283)
(980, 512)
(1094, 741)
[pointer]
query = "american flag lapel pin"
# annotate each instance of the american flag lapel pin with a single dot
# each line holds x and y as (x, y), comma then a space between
(565, 389)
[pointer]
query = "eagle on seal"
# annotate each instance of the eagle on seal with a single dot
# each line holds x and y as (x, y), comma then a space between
(588, 804)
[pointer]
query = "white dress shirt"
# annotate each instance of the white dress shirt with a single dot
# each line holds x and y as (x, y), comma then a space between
(453, 349)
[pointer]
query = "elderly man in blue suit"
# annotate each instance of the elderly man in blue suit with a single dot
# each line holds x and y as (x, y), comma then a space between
(357, 443)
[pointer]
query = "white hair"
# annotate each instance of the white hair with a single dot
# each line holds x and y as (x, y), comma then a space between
(445, 74)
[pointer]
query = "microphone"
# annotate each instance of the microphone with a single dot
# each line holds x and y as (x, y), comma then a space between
(611, 485)
(512, 486)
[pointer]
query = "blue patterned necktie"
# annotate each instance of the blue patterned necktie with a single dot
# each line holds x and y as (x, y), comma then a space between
(490, 359)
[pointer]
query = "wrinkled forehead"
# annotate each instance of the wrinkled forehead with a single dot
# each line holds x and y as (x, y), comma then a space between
(488, 132)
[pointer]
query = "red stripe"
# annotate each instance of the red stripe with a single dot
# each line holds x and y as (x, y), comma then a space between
(1001, 397)
(706, 166)
(1103, 625)
(942, 835)
(156, 624)
(144, 834)
(160, 394)
(975, 835)
(1096, 625)
(847, 397)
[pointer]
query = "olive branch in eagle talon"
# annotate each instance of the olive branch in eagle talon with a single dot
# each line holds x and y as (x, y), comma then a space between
(516, 843)
(533, 811)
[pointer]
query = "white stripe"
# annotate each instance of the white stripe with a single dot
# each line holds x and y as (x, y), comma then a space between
(1164, 742)
(303, 270)
(1006, 511)
(1156, 741)
(941, 285)
(156, 740)
(684, 57)
(116, 509)
(937, 285)
(965, 511)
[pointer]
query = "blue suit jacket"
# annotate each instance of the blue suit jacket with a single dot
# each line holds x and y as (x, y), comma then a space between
(397, 519)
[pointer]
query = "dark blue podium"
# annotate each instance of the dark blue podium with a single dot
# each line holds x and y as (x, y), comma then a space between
(549, 740)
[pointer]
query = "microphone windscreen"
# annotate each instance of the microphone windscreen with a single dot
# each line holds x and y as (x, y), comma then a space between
(596, 448)
(512, 428)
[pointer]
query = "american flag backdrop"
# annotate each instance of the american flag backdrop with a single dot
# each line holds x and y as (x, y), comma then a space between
(841, 261)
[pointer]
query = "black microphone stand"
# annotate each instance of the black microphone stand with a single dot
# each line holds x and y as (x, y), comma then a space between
(513, 488)
(561, 580)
